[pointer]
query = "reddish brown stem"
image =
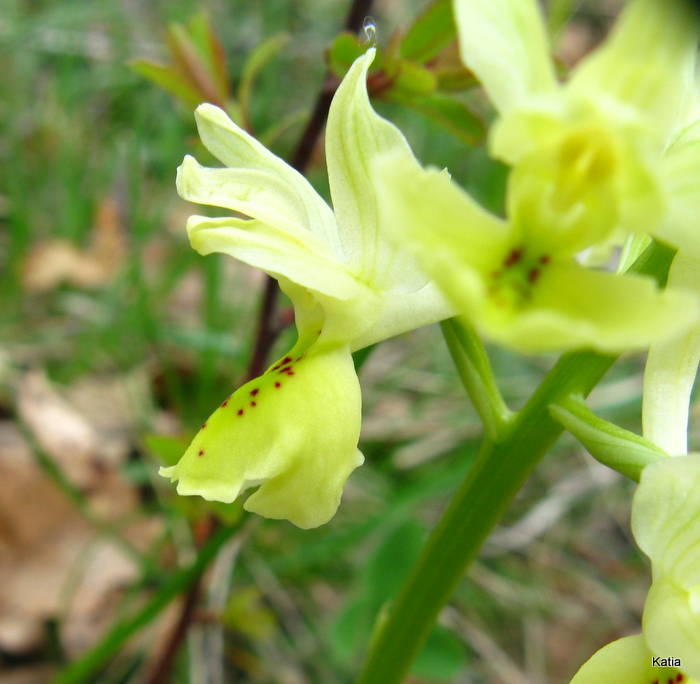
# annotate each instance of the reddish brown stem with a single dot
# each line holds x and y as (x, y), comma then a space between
(265, 336)
(302, 155)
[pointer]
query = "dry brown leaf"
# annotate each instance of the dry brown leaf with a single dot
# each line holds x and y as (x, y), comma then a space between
(53, 262)
(52, 563)
(62, 432)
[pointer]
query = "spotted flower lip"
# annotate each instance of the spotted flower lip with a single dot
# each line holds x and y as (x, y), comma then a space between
(293, 432)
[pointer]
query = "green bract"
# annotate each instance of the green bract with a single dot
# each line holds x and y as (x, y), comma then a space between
(627, 661)
(295, 429)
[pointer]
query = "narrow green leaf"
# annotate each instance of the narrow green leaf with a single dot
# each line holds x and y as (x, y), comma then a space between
(391, 562)
(442, 657)
(168, 79)
(211, 50)
(254, 64)
(432, 30)
(167, 448)
(193, 65)
(343, 51)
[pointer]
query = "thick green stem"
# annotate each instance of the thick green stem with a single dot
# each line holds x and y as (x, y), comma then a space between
(86, 669)
(490, 485)
(474, 370)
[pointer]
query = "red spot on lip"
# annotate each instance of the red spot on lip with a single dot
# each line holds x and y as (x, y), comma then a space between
(253, 403)
(224, 404)
(254, 392)
(544, 259)
(278, 384)
(533, 275)
(203, 426)
(286, 369)
(240, 412)
(289, 371)
(514, 257)
(679, 677)
(200, 453)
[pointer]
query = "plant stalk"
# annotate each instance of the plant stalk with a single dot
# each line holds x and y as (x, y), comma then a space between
(496, 476)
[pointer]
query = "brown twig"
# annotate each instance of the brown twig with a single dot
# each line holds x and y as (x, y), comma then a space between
(265, 335)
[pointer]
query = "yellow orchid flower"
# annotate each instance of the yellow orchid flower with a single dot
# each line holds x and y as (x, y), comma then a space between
(592, 146)
(294, 430)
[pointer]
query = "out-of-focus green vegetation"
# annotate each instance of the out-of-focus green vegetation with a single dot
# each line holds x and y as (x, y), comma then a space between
(100, 290)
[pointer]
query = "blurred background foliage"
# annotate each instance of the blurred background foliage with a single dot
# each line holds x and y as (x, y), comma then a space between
(117, 339)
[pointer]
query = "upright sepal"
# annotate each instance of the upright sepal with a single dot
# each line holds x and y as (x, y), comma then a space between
(355, 136)
(293, 431)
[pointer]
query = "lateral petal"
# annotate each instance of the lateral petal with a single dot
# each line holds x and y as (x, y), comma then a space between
(304, 261)
(572, 307)
(287, 187)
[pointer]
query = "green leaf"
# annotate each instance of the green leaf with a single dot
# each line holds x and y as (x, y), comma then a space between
(350, 628)
(441, 658)
(254, 64)
(343, 51)
(193, 65)
(167, 448)
(449, 112)
(392, 561)
(432, 30)
(167, 78)
(413, 80)
(212, 51)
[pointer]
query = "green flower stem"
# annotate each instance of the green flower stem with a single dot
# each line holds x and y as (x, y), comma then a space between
(474, 369)
(85, 669)
(610, 444)
(490, 485)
